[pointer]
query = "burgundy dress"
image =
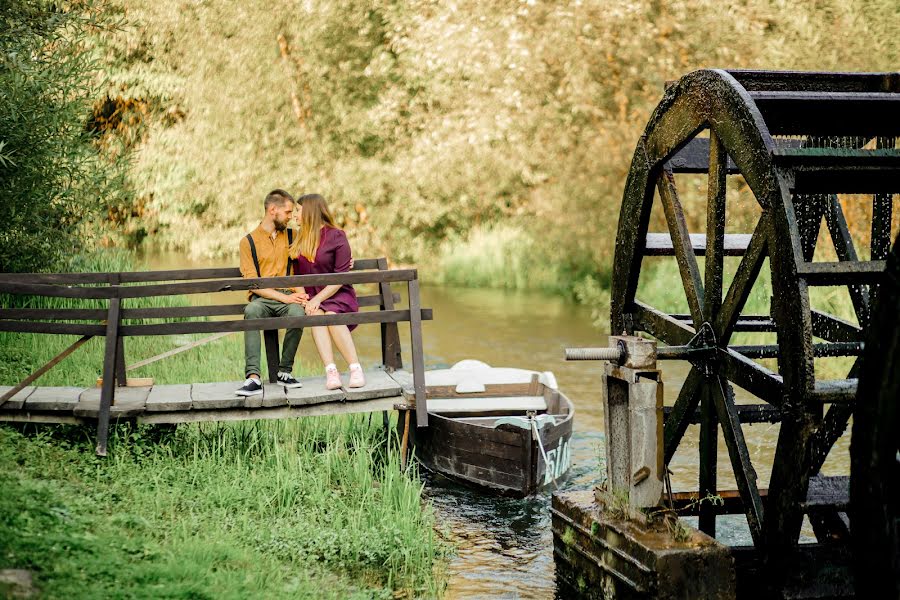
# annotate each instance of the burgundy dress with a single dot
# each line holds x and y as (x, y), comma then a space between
(332, 256)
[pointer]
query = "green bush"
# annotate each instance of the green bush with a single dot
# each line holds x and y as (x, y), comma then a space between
(54, 183)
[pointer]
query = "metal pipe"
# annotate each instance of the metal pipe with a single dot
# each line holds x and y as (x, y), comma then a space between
(612, 354)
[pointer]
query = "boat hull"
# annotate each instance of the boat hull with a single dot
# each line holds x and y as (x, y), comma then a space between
(504, 460)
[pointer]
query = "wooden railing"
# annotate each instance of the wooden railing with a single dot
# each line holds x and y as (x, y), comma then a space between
(117, 288)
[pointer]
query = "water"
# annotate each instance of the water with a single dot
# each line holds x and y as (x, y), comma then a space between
(504, 546)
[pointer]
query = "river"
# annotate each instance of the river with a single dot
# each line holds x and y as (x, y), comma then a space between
(504, 546)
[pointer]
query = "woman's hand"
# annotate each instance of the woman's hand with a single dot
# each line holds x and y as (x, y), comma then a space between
(312, 306)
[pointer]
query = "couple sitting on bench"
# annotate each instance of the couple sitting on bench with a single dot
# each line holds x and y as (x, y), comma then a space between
(273, 250)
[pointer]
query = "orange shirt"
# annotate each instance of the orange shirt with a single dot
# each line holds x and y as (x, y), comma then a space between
(271, 252)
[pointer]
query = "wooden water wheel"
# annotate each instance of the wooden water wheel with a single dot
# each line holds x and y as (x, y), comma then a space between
(797, 140)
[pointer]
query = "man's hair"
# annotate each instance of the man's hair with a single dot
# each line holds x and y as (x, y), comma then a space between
(278, 198)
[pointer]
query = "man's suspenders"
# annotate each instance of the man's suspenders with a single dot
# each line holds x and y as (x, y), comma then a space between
(290, 235)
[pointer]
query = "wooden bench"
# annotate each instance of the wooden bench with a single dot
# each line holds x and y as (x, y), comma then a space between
(118, 288)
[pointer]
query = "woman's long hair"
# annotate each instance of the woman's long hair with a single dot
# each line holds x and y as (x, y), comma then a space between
(313, 215)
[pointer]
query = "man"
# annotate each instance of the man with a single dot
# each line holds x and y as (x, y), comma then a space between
(264, 253)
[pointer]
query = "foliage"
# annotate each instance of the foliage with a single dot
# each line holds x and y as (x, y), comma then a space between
(439, 129)
(317, 508)
(53, 182)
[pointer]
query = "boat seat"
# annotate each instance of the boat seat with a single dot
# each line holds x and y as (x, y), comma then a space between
(500, 404)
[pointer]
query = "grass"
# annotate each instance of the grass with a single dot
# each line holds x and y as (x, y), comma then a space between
(317, 508)
(312, 508)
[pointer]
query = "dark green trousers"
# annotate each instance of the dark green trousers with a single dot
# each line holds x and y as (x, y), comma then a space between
(261, 308)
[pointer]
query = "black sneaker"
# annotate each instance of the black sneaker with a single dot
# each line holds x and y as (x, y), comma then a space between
(251, 387)
(288, 380)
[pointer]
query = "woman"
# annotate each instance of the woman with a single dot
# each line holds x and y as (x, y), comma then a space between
(323, 248)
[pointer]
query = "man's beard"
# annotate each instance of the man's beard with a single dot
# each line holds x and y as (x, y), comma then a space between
(280, 225)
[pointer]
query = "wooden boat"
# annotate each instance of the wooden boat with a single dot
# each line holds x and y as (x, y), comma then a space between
(503, 430)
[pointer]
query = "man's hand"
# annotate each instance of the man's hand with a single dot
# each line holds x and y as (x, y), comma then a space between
(296, 298)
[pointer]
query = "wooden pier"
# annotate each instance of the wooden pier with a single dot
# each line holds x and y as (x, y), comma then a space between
(115, 399)
(216, 401)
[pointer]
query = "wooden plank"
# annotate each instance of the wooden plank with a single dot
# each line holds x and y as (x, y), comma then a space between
(130, 402)
(843, 272)
(239, 284)
(213, 396)
(53, 398)
(273, 395)
(58, 328)
(742, 283)
(378, 385)
(164, 398)
(487, 447)
(313, 392)
(499, 404)
(828, 492)
(66, 314)
(751, 376)
(18, 398)
(391, 355)
(281, 412)
(357, 318)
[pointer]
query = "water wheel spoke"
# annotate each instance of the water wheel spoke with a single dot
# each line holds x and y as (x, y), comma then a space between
(660, 325)
(742, 284)
(846, 251)
(680, 417)
(681, 244)
(751, 376)
(744, 473)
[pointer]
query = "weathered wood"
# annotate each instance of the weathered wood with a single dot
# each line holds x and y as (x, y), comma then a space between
(238, 284)
(842, 272)
(178, 350)
(313, 392)
(682, 244)
(831, 492)
(270, 338)
(169, 398)
(274, 394)
(742, 283)
(829, 113)
(107, 397)
(378, 385)
(748, 414)
(65, 314)
(13, 397)
(215, 396)
(13, 391)
(685, 405)
(130, 402)
(282, 412)
(753, 377)
(661, 325)
(744, 473)
(390, 334)
(846, 251)
(53, 398)
(58, 328)
(358, 318)
(834, 329)
(416, 349)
